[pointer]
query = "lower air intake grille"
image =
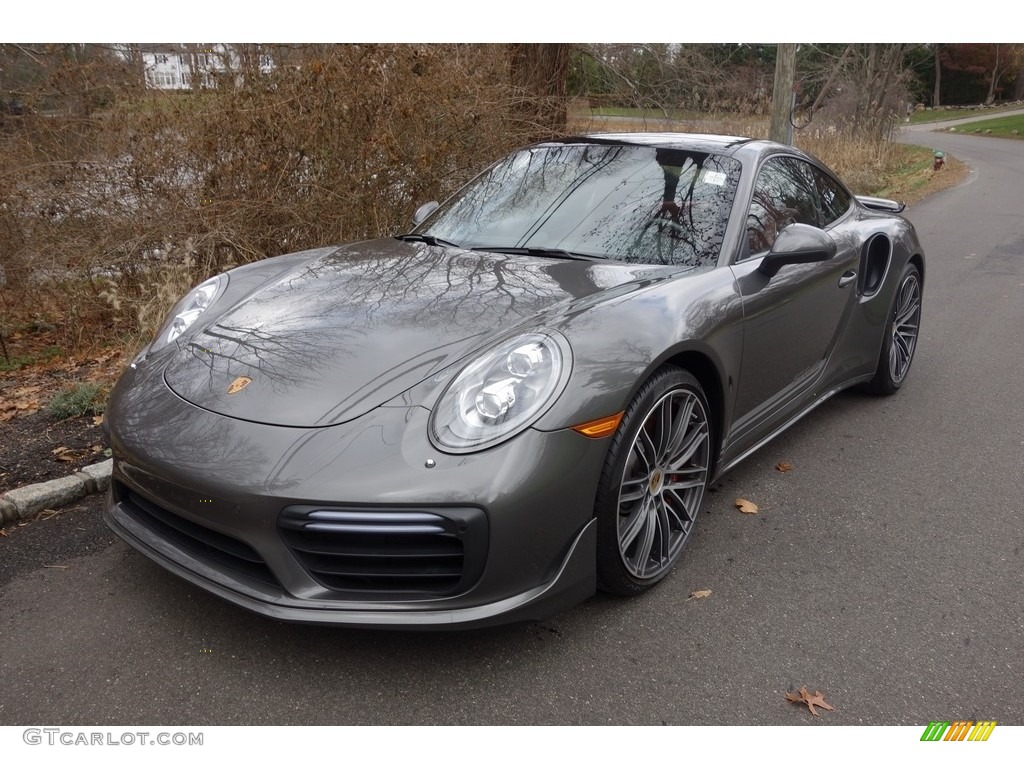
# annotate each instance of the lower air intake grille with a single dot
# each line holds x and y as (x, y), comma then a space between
(395, 552)
(200, 542)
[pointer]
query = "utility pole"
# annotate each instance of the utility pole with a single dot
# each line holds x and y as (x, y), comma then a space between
(781, 129)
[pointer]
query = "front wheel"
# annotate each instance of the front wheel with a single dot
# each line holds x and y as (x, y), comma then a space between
(901, 334)
(653, 483)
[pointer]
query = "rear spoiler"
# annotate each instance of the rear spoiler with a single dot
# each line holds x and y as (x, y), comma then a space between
(881, 204)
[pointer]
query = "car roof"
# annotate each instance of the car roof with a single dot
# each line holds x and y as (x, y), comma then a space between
(698, 142)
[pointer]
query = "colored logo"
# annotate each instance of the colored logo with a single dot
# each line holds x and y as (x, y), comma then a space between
(958, 730)
(239, 384)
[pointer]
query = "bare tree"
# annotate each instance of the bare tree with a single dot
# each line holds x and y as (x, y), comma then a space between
(867, 88)
(540, 71)
(782, 94)
(996, 72)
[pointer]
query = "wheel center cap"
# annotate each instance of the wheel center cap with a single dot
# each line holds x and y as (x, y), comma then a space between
(657, 480)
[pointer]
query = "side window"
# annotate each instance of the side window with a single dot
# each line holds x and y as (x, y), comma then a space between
(835, 200)
(784, 193)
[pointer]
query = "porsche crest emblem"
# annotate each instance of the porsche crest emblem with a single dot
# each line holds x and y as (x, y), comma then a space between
(238, 385)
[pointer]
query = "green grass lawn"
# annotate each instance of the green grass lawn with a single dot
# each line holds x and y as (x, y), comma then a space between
(937, 115)
(1011, 127)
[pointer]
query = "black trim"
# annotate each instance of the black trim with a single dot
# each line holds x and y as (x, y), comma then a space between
(203, 543)
(393, 553)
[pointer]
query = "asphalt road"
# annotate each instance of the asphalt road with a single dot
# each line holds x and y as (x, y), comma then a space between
(885, 569)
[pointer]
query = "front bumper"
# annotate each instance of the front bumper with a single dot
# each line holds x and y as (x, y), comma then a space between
(533, 498)
(573, 582)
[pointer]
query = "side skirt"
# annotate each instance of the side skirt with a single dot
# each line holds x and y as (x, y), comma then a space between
(723, 468)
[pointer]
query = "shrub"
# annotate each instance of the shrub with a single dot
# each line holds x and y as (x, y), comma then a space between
(103, 204)
(82, 400)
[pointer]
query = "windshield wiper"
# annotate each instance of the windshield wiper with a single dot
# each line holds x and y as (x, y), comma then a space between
(550, 253)
(413, 237)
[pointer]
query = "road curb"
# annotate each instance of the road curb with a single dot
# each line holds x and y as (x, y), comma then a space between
(29, 500)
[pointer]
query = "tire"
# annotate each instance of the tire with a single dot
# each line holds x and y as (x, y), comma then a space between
(901, 334)
(646, 509)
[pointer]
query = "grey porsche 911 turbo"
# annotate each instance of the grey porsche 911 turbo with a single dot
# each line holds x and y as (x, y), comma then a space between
(519, 402)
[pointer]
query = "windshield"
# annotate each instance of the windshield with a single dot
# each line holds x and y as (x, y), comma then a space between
(628, 203)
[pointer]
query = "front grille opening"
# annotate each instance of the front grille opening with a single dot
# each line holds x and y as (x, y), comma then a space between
(204, 544)
(389, 552)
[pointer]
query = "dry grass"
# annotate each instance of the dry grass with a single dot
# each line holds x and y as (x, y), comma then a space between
(732, 125)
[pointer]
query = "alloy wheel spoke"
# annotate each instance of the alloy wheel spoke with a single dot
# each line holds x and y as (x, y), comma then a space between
(694, 441)
(635, 523)
(633, 490)
(902, 350)
(645, 449)
(664, 429)
(908, 339)
(684, 507)
(677, 511)
(664, 529)
(909, 292)
(681, 479)
(645, 541)
(906, 313)
(680, 427)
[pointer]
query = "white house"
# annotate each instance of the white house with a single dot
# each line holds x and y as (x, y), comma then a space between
(181, 67)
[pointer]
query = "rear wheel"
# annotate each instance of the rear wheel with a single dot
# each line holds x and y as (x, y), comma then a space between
(901, 334)
(653, 483)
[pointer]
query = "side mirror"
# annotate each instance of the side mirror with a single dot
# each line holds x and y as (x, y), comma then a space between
(797, 244)
(423, 211)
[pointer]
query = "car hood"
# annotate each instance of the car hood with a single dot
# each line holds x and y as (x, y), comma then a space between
(345, 332)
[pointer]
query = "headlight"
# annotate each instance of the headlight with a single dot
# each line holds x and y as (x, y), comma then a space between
(188, 311)
(501, 393)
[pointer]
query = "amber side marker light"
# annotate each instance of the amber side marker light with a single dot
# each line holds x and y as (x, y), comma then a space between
(600, 427)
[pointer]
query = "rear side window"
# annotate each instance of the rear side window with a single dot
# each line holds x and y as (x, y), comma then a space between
(835, 200)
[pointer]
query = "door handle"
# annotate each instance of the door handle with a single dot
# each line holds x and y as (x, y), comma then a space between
(848, 277)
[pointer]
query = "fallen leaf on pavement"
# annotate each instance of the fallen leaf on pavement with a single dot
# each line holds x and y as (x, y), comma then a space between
(783, 466)
(746, 507)
(803, 696)
(3, 533)
(97, 420)
(699, 594)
